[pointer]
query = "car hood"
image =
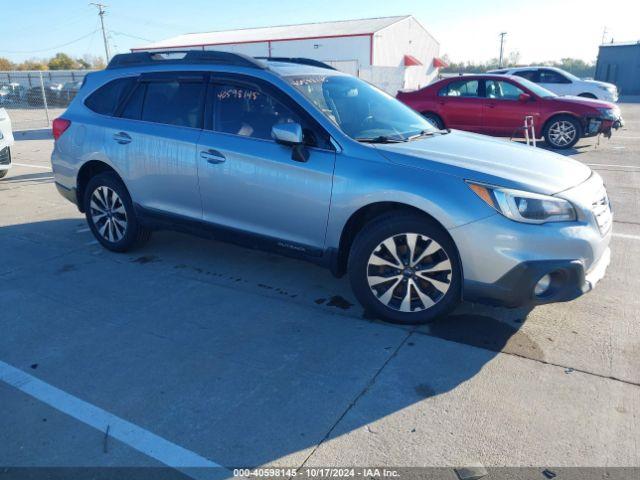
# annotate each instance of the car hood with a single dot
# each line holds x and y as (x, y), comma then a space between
(486, 159)
(583, 102)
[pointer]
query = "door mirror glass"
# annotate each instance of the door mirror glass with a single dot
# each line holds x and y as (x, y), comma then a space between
(287, 133)
(524, 97)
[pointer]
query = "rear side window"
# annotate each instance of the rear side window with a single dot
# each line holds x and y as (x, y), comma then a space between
(461, 88)
(106, 99)
(169, 102)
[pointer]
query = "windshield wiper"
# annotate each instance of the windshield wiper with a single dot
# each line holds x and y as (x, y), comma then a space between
(380, 139)
(427, 133)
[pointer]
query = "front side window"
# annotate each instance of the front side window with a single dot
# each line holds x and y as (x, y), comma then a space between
(106, 99)
(461, 88)
(531, 75)
(248, 111)
(359, 109)
(500, 90)
(551, 76)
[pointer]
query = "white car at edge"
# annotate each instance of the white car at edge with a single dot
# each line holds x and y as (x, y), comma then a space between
(6, 141)
(564, 83)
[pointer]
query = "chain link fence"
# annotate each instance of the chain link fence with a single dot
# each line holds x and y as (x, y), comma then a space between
(34, 99)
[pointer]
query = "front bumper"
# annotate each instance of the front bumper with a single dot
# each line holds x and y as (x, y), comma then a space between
(5, 158)
(569, 280)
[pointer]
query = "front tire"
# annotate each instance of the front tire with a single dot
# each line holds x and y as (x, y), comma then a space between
(3, 173)
(110, 214)
(562, 132)
(404, 268)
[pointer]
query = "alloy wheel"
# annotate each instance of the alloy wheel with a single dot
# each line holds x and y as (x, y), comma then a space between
(409, 272)
(562, 133)
(108, 214)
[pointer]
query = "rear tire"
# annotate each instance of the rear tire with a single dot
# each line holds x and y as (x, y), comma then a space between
(3, 173)
(404, 268)
(562, 132)
(110, 214)
(434, 119)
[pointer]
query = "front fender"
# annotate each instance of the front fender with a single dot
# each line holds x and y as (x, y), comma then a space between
(359, 183)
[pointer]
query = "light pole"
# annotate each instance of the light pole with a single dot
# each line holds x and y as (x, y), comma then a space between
(101, 13)
(502, 34)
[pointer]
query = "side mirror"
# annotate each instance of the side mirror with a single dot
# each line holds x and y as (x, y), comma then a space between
(291, 135)
(287, 134)
(524, 97)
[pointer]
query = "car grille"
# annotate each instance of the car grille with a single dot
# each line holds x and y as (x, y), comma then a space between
(5, 156)
(602, 211)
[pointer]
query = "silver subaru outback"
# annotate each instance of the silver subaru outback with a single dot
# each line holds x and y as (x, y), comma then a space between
(292, 156)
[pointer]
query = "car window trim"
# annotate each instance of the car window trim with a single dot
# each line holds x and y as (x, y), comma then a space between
(268, 88)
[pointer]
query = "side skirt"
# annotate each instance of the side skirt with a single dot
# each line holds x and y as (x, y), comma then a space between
(159, 220)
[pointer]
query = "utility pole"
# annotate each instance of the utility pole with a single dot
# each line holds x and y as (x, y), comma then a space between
(502, 34)
(101, 12)
(604, 35)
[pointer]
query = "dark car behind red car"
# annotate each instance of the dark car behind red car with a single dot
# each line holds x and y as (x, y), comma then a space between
(498, 104)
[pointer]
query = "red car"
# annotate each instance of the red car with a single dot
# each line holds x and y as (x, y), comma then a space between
(498, 104)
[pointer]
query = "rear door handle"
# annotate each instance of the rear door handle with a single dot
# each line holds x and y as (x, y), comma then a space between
(212, 156)
(122, 138)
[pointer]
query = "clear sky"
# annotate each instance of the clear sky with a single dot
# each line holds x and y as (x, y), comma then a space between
(466, 29)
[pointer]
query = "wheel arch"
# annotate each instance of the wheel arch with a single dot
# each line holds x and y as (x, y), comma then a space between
(89, 170)
(365, 214)
(555, 115)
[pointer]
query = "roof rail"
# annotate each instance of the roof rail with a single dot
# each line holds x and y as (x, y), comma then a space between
(183, 57)
(299, 60)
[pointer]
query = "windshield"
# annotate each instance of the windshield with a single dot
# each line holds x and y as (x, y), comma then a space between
(360, 110)
(535, 88)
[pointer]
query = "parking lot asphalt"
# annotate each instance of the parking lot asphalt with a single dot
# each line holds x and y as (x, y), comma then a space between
(189, 351)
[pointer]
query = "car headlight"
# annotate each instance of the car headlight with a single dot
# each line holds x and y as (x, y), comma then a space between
(609, 113)
(608, 88)
(523, 206)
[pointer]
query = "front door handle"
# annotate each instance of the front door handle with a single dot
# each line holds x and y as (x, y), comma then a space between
(122, 138)
(212, 156)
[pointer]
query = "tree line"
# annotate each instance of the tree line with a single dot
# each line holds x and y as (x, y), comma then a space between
(578, 67)
(60, 61)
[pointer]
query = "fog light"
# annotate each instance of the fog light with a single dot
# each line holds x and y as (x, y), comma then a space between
(542, 285)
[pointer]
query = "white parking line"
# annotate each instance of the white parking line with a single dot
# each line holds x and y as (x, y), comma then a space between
(612, 165)
(625, 235)
(126, 432)
(40, 167)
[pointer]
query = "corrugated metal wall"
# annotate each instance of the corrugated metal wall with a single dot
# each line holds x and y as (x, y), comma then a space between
(620, 65)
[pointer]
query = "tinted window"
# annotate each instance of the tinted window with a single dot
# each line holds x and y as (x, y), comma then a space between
(461, 88)
(247, 111)
(106, 99)
(528, 74)
(500, 90)
(551, 76)
(133, 108)
(173, 103)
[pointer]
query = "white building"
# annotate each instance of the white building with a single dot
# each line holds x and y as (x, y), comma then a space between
(392, 52)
